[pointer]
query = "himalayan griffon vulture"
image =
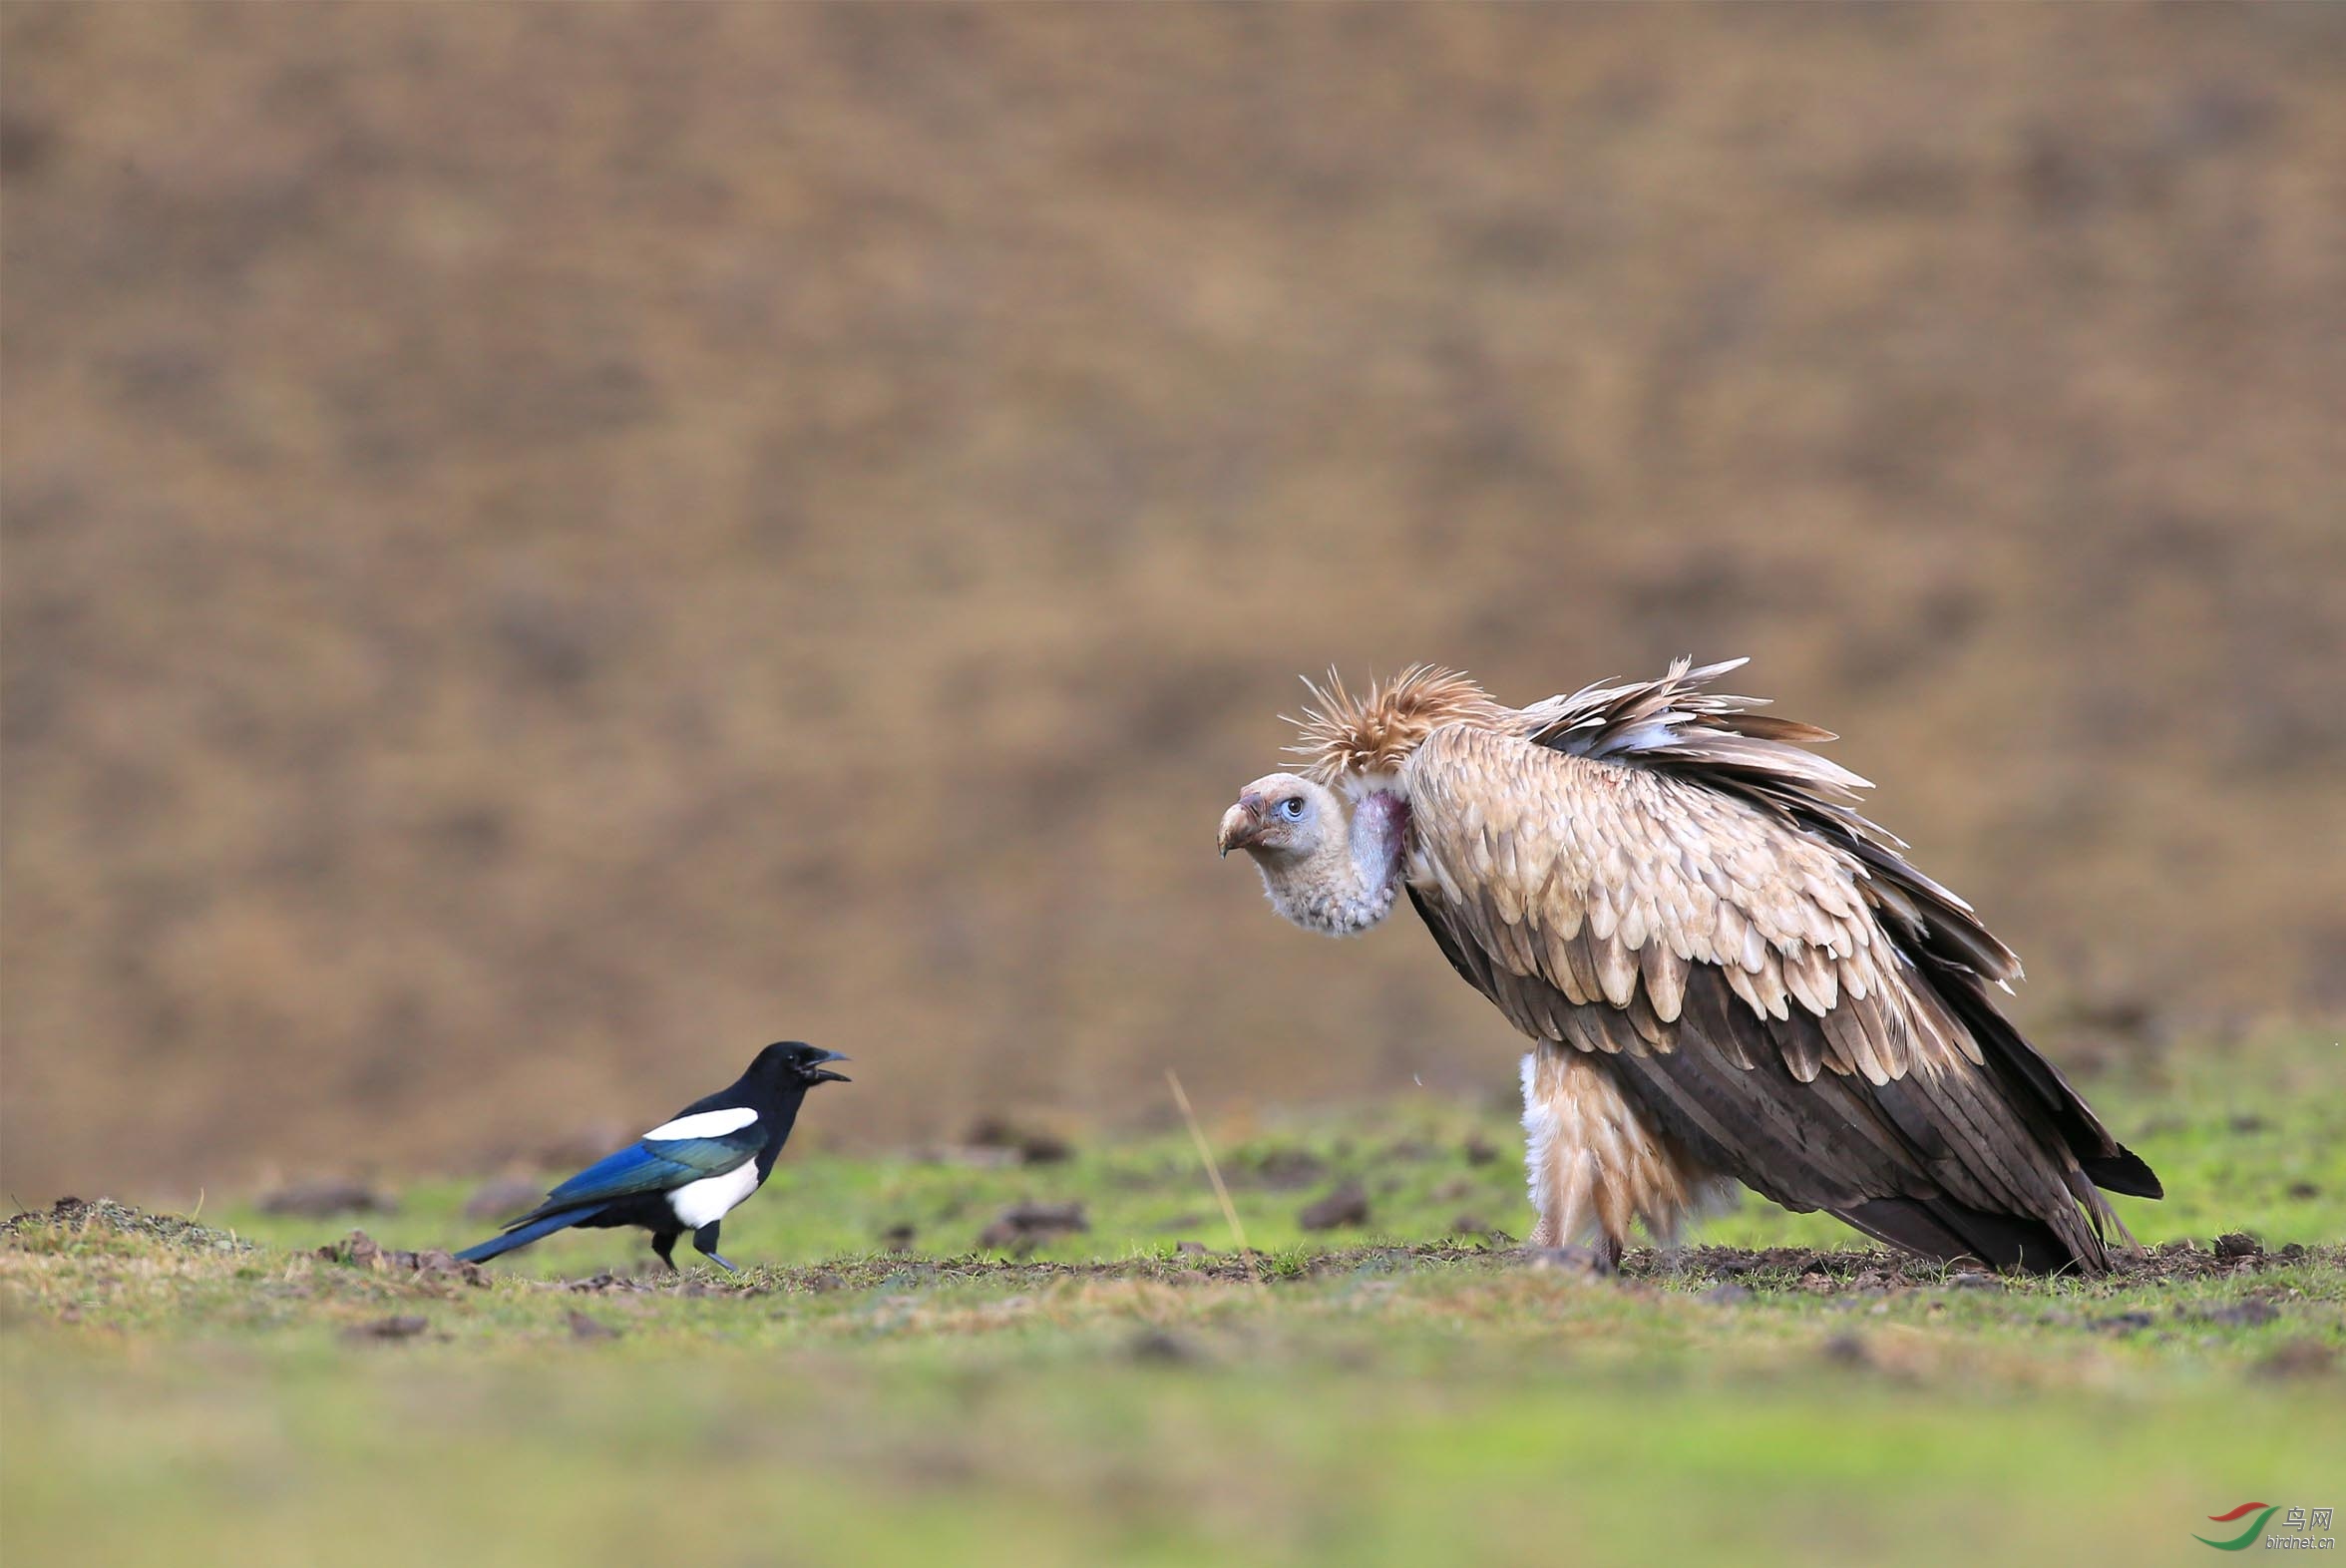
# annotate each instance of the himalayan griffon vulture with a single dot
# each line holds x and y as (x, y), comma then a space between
(1728, 973)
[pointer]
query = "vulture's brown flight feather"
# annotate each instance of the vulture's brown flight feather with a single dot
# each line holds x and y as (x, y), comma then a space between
(1729, 974)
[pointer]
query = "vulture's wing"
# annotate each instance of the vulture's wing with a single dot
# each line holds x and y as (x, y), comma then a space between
(1676, 885)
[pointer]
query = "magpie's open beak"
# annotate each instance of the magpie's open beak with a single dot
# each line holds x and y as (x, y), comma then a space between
(825, 1074)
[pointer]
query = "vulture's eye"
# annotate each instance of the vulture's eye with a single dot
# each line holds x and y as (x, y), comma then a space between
(1291, 808)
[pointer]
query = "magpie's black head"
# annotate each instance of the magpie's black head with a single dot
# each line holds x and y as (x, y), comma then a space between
(796, 1065)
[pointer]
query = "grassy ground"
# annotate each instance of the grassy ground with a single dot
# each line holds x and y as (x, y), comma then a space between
(1409, 1389)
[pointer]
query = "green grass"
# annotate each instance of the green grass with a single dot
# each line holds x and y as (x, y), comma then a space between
(1395, 1395)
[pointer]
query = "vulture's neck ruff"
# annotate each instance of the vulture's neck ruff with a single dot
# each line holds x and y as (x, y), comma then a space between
(1353, 741)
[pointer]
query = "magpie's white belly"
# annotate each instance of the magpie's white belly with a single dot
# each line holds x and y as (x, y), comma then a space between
(712, 1197)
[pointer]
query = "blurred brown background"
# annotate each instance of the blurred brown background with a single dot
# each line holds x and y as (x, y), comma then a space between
(546, 546)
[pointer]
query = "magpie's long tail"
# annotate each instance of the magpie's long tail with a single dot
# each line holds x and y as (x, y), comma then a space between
(527, 1232)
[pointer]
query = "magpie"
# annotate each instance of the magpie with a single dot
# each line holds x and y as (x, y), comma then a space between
(687, 1173)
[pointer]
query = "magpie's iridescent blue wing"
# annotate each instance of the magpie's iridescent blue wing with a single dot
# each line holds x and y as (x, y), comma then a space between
(668, 1157)
(651, 1167)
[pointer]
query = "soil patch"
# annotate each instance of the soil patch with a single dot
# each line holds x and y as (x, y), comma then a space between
(73, 1214)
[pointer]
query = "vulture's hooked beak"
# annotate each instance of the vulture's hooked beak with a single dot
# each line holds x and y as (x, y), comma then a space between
(1242, 824)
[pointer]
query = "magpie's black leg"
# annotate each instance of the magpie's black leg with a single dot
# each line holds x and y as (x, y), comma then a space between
(706, 1240)
(664, 1243)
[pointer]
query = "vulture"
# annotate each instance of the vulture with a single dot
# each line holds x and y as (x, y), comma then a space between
(1727, 973)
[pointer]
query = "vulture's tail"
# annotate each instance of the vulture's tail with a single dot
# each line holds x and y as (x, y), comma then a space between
(1942, 1228)
(2035, 1083)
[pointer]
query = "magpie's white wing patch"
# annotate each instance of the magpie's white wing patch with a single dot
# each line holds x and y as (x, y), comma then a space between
(704, 1124)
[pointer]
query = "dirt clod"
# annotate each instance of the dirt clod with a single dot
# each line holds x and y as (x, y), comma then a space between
(2237, 1244)
(395, 1327)
(1346, 1205)
(2249, 1314)
(358, 1250)
(586, 1328)
(1569, 1260)
(1155, 1345)
(1032, 1147)
(2298, 1359)
(1282, 1170)
(1024, 1225)
(167, 1228)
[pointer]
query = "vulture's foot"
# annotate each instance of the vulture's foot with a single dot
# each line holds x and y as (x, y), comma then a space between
(1600, 1261)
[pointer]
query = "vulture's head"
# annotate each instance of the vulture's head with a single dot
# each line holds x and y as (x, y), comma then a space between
(1285, 817)
(1330, 862)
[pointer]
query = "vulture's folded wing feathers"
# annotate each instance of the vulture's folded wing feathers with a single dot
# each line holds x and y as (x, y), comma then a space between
(1650, 873)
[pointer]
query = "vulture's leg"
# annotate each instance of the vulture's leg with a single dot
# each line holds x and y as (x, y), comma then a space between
(1561, 1168)
(1595, 1164)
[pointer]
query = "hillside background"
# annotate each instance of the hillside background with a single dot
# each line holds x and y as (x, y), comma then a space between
(547, 546)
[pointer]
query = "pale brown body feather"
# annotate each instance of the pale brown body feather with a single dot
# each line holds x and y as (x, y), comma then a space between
(1729, 971)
